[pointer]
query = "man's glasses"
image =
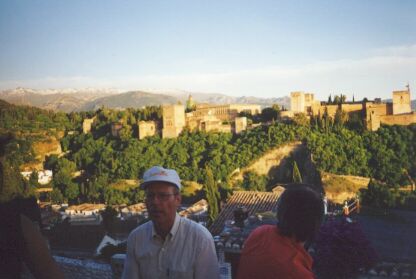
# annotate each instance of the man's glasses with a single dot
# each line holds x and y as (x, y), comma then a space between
(159, 196)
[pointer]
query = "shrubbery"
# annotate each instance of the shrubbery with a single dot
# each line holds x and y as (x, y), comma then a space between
(342, 250)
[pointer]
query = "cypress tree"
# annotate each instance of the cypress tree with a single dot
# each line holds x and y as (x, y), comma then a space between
(296, 176)
(212, 194)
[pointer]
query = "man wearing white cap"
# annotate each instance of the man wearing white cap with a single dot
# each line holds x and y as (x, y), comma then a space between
(169, 246)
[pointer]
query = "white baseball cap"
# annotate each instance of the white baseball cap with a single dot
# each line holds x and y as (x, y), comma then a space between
(160, 174)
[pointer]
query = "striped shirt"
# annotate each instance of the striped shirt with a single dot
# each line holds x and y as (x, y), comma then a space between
(188, 251)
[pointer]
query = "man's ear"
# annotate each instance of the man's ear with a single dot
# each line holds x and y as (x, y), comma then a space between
(178, 198)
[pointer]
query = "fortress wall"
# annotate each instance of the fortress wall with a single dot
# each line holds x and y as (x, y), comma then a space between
(372, 120)
(398, 119)
(330, 109)
(223, 112)
(352, 107)
(380, 109)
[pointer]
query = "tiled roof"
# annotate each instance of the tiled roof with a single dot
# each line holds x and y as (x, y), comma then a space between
(253, 201)
(390, 270)
(138, 207)
(197, 207)
(87, 207)
(78, 269)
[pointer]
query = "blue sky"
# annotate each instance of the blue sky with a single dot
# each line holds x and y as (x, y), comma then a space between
(251, 48)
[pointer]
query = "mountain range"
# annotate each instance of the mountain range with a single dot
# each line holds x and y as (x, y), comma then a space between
(68, 100)
(89, 99)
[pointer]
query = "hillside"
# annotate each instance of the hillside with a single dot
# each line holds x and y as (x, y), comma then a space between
(275, 164)
(269, 162)
(43, 147)
(339, 188)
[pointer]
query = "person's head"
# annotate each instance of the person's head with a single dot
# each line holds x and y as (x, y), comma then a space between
(299, 212)
(162, 187)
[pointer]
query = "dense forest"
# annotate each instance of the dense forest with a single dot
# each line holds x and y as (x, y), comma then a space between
(338, 145)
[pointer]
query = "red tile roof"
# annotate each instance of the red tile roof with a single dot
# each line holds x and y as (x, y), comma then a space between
(252, 200)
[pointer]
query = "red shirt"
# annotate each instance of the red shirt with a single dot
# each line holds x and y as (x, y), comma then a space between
(268, 254)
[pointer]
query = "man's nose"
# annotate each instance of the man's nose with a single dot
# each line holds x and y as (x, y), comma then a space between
(154, 199)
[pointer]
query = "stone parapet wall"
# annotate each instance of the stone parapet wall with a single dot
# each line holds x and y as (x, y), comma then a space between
(380, 109)
(352, 107)
(398, 119)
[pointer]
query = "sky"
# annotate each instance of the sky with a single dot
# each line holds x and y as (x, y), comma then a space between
(365, 48)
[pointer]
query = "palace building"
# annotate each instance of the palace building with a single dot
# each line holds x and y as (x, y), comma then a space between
(374, 113)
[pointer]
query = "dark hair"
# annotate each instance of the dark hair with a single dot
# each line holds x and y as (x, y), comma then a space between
(299, 212)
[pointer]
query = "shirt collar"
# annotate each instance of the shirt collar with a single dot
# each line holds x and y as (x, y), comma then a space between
(173, 230)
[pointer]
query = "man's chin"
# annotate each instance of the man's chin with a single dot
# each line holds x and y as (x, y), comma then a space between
(155, 215)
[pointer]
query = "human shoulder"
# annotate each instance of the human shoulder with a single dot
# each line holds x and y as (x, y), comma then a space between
(263, 232)
(195, 228)
(265, 229)
(142, 231)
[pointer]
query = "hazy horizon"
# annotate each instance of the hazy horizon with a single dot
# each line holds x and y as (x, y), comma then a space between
(238, 48)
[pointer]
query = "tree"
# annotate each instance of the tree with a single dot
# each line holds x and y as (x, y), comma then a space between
(63, 179)
(109, 217)
(212, 194)
(254, 182)
(296, 176)
(301, 119)
(340, 118)
(125, 132)
(33, 179)
(378, 195)
(11, 182)
(51, 162)
(270, 114)
(56, 196)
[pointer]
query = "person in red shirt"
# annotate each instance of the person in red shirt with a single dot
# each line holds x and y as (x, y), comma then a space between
(278, 251)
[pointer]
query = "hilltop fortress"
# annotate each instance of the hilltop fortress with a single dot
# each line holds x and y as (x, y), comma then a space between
(205, 117)
(373, 113)
(226, 118)
(200, 117)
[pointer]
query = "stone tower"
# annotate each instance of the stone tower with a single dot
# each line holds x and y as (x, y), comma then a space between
(240, 124)
(309, 99)
(146, 129)
(86, 125)
(297, 101)
(372, 122)
(401, 102)
(173, 120)
(190, 104)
